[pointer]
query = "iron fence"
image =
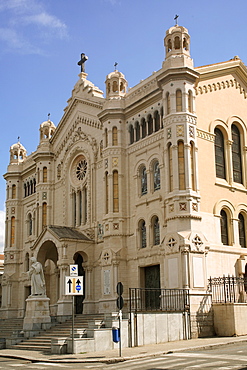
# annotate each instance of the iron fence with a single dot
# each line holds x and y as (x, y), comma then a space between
(228, 289)
(166, 300)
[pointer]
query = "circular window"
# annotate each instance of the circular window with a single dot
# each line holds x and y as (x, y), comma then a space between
(81, 169)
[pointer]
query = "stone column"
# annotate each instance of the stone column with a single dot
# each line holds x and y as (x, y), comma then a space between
(185, 267)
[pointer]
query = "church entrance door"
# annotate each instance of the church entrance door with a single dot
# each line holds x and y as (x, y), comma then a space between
(152, 287)
(81, 272)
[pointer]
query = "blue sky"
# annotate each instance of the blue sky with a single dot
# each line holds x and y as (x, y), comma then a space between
(41, 42)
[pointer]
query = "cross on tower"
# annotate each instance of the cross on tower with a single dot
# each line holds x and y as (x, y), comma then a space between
(197, 242)
(81, 62)
(176, 19)
(115, 65)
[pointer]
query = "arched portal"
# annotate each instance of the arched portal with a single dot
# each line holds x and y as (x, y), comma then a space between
(48, 257)
(78, 260)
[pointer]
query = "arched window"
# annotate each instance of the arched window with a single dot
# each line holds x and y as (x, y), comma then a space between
(143, 234)
(150, 124)
(30, 224)
(12, 236)
(170, 167)
(241, 229)
(156, 231)
(25, 190)
(115, 86)
(138, 131)
(44, 174)
(156, 121)
(144, 128)
(44, 215)
(13, 191)
(177, 43)
(190, 106)
(106, 138)
(161, 116)
(114, 136)
(178, 101)
(156, 175)
(28, 188)
(115, 192)
(181, 166)
(192, 165)
(106, 193)
(219, 152)
(26, 262)
(144, 184)
(131, 131)
(224, 227)
(168, 103)
(236, 155)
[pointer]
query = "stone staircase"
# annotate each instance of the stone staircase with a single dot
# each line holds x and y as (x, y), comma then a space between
(9, 328)
(42, 342)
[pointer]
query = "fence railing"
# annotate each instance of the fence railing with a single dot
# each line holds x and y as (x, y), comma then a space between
(228, 289)
(166, 300)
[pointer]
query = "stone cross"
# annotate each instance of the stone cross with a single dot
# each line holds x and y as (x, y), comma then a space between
(81, 62)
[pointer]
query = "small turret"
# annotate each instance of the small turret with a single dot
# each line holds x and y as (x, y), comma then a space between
(47, 129)
(177, 47)
(17, 153)
(116, 85)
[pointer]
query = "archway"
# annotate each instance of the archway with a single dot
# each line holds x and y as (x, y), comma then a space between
(81, 272)
(48, 257)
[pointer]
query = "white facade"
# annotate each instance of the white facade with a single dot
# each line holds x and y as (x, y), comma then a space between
(133, 187)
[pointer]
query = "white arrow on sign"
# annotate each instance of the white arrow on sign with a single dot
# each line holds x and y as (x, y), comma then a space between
(74, 285)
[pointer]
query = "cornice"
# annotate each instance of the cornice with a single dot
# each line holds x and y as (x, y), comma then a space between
(144, 143)
(226, 84)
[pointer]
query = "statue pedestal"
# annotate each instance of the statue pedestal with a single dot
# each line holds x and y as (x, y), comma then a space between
(37, 315)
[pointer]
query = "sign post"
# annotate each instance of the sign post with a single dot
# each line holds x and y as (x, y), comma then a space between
(120, 303)
(74, 287)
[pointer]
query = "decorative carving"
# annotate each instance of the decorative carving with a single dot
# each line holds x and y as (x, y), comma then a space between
(114, 161)
(205, 135)
(221, 85)
(171, 246)
(192, 131)
(182, 206)
(107, 227)
(180, 130)
(44, 195)
(106, 163)
(197, 243)
(171, 208)
(116, 226)
(195, 207)
(169, 133)
(12, 210)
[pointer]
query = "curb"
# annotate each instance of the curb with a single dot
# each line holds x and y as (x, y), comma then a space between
(112, 360)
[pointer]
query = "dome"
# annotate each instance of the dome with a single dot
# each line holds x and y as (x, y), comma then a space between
(115, 74)
(47, 129)
(18, 147)
(116, 85)
(17, 153)
(48, 123)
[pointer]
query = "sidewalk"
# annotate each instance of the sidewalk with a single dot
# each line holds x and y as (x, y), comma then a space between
(112, 356)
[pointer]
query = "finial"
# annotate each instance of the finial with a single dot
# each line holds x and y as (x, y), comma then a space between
(82, 62)
(49, 116)
(115, 66)
(176, 19)
(18, 139)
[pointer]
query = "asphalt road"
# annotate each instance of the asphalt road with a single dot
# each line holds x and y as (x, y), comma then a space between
(229, 357)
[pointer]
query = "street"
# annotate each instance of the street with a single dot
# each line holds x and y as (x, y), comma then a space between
(228, 357)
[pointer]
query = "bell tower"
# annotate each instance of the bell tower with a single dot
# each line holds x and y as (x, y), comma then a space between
(177, 83)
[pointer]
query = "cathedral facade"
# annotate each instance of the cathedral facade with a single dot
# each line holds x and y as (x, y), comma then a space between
(146, 186)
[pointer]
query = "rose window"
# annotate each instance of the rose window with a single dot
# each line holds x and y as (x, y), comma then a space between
(81, 169)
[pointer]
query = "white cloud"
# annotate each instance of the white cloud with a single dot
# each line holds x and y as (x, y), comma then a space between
(15, 41)
(2, 230)
(18, 15)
